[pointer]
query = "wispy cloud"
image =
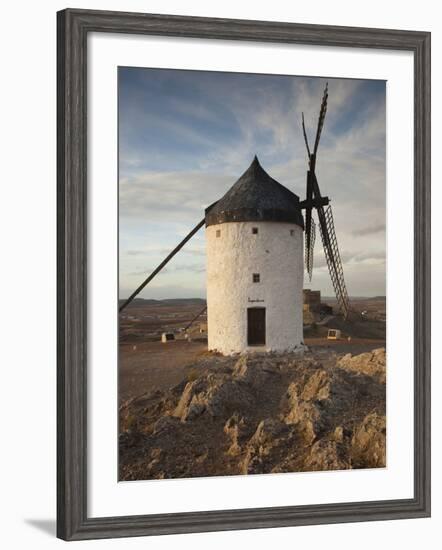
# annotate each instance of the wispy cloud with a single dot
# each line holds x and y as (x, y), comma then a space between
(167, 196)
(370, 230)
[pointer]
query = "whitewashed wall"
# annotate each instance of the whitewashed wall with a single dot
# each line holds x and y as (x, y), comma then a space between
(232, 258)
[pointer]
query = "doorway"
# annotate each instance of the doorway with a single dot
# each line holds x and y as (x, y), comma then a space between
(256, 326)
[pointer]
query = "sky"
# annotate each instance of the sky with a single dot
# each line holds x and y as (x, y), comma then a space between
(185, 137)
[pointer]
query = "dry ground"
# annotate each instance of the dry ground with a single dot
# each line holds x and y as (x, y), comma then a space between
(149, 366)
(154, 365)
(260, 413)
(185, 412)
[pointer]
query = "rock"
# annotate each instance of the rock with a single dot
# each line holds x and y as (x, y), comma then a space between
(267, 432)
(165, 424)
(240, 368)
(255, 370)
(368, 445)
(302, 413)
(154, 457)
(186, 397)
(317, 386)
(266, 447)
(232, 429)
(338, 434)
(324, 455)
(371, 364)
(229, 397)
(217, 395)
(196, 408)
(309, 404)
(179, 388)
(328, 399)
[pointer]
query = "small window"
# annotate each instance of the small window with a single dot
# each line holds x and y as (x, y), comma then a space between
(218, 233)
(292, 232)
(256, 278)
(254, 230)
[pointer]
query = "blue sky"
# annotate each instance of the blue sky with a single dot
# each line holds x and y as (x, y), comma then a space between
(185, 137)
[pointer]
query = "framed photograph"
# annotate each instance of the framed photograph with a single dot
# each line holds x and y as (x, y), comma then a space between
(243, 274)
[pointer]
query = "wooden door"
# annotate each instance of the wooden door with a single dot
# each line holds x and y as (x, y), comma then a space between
(256, 326)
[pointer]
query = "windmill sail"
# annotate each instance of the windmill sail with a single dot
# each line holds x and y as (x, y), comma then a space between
(309, 247)
(161, 266)
(333, 258)
(314, 199)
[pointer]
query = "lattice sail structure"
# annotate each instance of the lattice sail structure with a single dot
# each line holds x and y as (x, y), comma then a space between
(309, 248)
(333, 258)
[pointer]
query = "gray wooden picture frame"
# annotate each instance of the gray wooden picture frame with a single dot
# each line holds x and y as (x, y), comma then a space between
(73, 28)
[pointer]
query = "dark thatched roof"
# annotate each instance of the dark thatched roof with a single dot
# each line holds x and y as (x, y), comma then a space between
(256, 197)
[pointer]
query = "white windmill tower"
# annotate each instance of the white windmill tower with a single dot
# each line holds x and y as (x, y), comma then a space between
(254, 242)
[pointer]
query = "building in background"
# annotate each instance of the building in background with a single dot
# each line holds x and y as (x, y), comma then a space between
(311, 300)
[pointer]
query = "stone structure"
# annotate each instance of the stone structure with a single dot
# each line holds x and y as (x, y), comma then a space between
(254, 238)
(311, 300)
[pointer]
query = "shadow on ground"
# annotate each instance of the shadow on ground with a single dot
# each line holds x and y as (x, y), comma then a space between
(47, 526)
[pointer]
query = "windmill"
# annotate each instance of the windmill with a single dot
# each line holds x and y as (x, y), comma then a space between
(256, 199)
(314, 199)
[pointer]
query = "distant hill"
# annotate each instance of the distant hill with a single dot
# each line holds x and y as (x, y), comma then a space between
(358, 298)
(142, 302)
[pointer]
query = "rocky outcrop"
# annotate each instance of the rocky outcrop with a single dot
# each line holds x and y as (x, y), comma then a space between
(214, 395)
(259, 414)
(372, 364)
(270, 443)
(326, 399)
(327, 454)
(368, 444)
(233, 429)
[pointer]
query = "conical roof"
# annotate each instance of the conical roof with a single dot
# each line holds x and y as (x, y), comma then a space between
(256, 197)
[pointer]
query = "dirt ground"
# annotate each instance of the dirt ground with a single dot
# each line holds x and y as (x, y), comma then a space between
(356, 346)
(152, 366)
